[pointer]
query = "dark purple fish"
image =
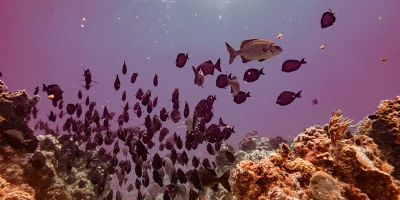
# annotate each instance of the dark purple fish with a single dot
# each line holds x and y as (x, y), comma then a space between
(175, 96)
(155, 101)
(155, 80)
(252, 75)
(292, 65)
(208, 67)
(71, 108)
(241, 97)
(181, 59)
(287, 97)
(124, 69)
(1, 74)
(117, 83)
(124, 96)
(186, 110)
(175, 115)
(54, 92)
(181, 176)
(79, 94)
(134, 77)
(36, 90)
(327, 19)
(210, 149)
(139, 94)
(222, 81)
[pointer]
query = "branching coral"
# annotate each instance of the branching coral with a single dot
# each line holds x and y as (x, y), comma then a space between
(337, 126)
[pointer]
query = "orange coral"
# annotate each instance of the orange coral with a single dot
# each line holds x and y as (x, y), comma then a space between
(354, 161)
(13, 192)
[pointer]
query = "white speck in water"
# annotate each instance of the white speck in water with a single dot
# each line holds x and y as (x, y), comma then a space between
(195, 14)
(220, 16)
(155, 42)
(166, 31)
(148, 58)
(137, 17)
(380, 18)
(119, 18)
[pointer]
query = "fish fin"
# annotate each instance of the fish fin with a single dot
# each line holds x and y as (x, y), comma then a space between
(217, 65)
(224, 180)
(302, 61)
(261, 60)
(187, 55)
(246, 42)
(244, 60)
(298, 95)
(261, 71)
(215, 187)
(195, 70)
(232, 53)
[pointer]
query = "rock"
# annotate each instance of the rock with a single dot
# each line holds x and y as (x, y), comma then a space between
(324, 187)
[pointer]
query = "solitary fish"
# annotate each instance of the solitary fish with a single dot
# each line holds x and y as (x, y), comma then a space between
(292, 65)
(181, 59)
(252, 75)
(287, 97)
(254, 49)
(124, 69)
(117, 83)
(327, 19)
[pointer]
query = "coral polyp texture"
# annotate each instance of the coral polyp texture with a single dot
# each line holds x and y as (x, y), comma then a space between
(330, 162)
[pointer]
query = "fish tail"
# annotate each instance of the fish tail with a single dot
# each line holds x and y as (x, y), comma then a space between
(298, 94)
(224, 180)
(248, 93)
(187, 55)
(217, 65)
(302, 61)
(261, 71)
(232, 53)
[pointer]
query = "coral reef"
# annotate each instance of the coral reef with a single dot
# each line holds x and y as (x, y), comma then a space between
(9, 191)
(64, 171)
(15, 110)
(329, 162)
(384, 128)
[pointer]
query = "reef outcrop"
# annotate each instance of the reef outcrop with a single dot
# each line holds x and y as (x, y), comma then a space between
(330, 162)
(65, 171)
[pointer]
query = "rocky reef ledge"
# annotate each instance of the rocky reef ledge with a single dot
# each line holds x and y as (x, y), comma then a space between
(44, 167)
(330, 162)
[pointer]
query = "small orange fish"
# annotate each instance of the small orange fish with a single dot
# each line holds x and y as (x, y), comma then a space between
(280, 36)
(51, 96)
(383, 59)
(322, 47)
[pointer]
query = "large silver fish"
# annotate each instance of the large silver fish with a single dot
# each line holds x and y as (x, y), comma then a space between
(254, 49)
